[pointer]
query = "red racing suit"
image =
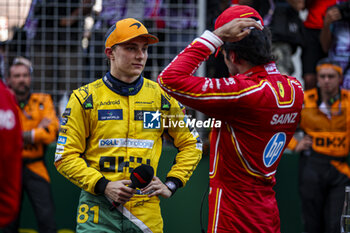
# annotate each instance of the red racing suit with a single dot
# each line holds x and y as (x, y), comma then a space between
(11, 145)
(259, 110)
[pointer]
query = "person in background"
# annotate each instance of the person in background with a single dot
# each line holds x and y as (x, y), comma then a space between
(264, 8)
(40, 125)
(113, 125)
(54, 33)
(149, 12)
(11, 144)
(287, 33)
(312, 50)
(282, 18)
(323, 168)
(247, 148)
(335, 36)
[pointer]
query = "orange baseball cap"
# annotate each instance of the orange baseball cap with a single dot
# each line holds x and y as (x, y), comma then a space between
(125, 30)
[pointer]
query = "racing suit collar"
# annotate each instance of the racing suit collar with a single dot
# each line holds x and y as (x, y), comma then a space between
(265, 69)
(123, 88)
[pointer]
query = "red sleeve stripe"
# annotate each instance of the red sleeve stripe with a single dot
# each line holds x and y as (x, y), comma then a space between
(203, 38)
(206, 43)
(214, 39)
(210, 40)
(233, 95)
(216, 95)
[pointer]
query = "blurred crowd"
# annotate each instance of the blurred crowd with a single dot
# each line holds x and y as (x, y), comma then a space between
(64, 43)
(318, 28)
(64, 39)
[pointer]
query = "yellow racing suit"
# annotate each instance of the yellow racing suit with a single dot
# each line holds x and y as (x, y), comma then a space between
(108, 130)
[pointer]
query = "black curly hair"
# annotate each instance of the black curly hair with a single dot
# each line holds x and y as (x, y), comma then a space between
(254, 48)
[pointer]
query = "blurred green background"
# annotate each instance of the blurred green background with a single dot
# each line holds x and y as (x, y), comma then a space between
(182, 211)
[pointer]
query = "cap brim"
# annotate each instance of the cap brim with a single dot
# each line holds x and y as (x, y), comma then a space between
(151, 39)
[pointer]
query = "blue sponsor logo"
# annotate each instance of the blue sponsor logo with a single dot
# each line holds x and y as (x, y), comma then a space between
(64, 121)
(274, 148)
(67, 112)
(151, 119)
(62, 140)
(110, 114)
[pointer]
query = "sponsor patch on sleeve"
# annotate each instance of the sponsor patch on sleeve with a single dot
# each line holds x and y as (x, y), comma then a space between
(88, 103)
(63, 130)
(61, 140)
(58, 157)
(63, 120)
(59, 149)
(67, 112)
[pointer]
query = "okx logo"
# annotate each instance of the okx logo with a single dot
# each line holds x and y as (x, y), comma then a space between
(274, 148)
(151, 119)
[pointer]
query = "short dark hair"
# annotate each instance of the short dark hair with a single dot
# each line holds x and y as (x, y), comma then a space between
(254, 48)
(108, 62)
(327, 60)
(109, 31)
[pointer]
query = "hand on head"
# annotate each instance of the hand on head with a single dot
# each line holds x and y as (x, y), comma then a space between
(237, 29)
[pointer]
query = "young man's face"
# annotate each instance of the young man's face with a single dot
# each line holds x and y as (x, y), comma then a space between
(328, 80)
(19, 79)
(128, 59)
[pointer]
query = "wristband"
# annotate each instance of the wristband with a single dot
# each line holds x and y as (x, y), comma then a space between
(171, 186)
(100, 186)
